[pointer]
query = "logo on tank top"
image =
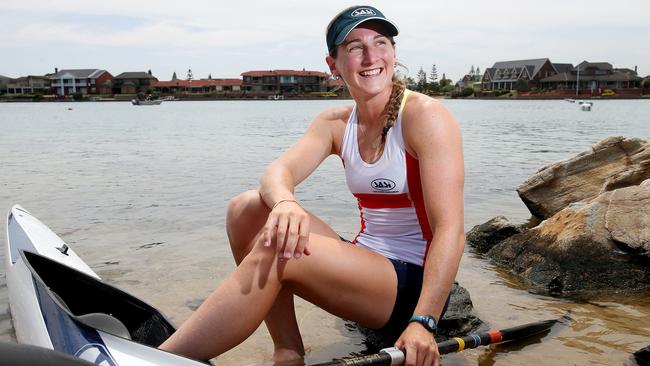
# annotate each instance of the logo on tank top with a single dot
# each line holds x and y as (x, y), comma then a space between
(382, 185)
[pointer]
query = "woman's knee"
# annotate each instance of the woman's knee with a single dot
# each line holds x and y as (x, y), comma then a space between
(243, 202)
(246, 214)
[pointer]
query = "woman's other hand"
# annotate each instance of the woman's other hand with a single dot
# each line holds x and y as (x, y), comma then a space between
(287, 226)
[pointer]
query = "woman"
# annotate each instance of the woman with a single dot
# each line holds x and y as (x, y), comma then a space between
(403, 161)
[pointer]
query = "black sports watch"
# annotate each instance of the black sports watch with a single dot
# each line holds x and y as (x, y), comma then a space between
(427, 321)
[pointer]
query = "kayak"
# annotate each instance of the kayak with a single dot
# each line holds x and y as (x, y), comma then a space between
(58, 302)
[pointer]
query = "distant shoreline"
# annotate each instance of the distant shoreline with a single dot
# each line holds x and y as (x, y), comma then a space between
(257, 99)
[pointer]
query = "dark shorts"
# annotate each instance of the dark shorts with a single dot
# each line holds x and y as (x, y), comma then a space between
(409, 285)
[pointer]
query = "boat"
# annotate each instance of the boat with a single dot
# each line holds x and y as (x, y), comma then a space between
(146, 102)
(59, 303)
(586, 106)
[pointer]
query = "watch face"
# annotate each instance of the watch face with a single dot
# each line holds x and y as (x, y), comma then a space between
(431, 323)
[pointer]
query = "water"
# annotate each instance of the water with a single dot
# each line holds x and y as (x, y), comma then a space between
(140, 194)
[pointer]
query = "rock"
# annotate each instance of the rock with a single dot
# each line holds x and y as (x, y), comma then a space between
(485, 236)
(642, 356)
(612, 163)
(597, 246)
(628, 218)
(459, 319)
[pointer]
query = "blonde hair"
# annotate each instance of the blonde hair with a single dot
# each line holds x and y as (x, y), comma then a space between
(391, 110)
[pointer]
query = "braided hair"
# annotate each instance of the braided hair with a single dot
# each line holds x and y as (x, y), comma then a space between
(391, 110)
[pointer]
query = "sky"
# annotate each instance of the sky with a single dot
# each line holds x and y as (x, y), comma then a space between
(222, 39)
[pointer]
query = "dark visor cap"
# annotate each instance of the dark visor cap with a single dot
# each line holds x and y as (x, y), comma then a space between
(350, 18)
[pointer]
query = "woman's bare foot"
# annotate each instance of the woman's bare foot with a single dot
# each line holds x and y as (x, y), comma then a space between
(287, 357)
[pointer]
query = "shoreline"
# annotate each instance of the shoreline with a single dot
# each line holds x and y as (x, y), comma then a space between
(266, 98)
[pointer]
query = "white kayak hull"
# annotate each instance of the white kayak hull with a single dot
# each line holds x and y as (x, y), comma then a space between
(58, 302)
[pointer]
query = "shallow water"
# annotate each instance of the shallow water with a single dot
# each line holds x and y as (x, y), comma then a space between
(140, 194)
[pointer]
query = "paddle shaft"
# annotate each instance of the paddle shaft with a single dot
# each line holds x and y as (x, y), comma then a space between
(393, 356)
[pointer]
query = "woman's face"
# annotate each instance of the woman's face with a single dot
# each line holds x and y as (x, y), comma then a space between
(365, 60)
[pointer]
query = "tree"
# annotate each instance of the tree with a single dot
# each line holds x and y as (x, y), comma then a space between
(410, 83)
(189, 74)
(444, 81)
(433, 76)
(174, 78)
(421, 80)
(209, 76)
(521, 85)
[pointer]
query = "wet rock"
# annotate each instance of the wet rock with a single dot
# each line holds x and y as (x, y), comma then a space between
(459, 319)
(485, 236)
(612, 163)
(595, 246)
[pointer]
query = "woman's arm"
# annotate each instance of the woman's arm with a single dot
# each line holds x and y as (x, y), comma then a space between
(433, 136)
(288, 224)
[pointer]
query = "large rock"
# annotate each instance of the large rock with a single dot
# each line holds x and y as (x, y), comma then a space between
(595, 246)
(612, 163)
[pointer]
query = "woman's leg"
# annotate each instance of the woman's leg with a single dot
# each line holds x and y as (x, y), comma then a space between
(246, 215)
(344, 279)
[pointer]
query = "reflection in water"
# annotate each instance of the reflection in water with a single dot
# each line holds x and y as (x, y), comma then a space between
(110, 179)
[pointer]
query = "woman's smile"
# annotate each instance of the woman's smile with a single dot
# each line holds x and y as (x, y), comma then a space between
(371, 72)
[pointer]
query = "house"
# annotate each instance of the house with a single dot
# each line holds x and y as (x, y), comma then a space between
(4, 80)
(593, 78)
(506, 75)
(84, 81)
(131, 83)
(31, 84)
(284, 81)
(470, 80)
(202, 86)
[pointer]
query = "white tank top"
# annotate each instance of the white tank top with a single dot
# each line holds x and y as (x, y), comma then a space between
(393, 218)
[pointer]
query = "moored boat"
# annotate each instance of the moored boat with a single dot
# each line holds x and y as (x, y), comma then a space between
(146, 102)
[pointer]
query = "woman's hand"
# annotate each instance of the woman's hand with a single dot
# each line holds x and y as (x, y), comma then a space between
(419, 345)
(287, 226)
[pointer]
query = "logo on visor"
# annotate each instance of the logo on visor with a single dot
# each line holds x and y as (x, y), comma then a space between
(382, 185)
(363, 12)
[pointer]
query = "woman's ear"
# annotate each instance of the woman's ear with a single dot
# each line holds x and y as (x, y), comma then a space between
(331, 64)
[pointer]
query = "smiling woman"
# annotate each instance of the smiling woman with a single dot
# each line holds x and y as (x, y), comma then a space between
(402, 154)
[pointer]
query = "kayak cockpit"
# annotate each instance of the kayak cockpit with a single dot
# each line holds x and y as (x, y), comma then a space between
(97, 304)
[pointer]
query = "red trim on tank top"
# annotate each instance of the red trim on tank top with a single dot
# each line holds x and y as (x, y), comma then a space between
(363, 225)
(383, 200)
(415, 191)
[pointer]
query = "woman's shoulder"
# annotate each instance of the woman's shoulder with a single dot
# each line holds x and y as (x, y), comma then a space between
(426, 120)
(418, 103)
(338, 114)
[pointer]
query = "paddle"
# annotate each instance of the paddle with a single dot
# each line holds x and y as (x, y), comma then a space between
(394, 356)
